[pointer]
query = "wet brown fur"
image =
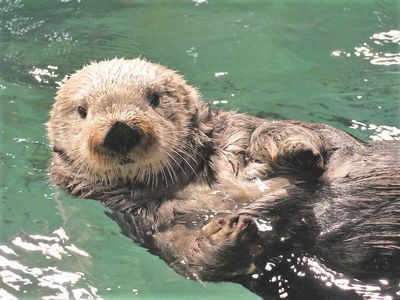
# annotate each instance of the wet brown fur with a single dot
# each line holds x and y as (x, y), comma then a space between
(194, 163)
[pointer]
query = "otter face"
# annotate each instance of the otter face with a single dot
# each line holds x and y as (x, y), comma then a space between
(123, 120)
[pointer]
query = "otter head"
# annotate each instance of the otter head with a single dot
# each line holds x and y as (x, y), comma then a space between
(124, 120)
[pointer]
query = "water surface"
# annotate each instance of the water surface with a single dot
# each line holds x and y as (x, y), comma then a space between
(324, 61)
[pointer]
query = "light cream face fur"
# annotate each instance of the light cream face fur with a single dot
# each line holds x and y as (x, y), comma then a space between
(120, 90)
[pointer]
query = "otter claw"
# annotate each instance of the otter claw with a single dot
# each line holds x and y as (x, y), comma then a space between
(231, 229)
(298, 154)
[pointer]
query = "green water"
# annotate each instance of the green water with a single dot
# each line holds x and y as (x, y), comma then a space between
(335, 62)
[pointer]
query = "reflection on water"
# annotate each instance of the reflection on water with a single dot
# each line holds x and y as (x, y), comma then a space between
(199, 2)
(375, 51)
(367, 291)
(43, 75)
(47, 281)
(334, 285)
(378, 132)
(48, 75)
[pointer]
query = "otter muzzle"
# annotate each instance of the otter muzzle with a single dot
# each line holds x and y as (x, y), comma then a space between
(122, 138)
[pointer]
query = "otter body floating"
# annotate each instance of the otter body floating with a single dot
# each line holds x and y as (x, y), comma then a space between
(135, 136)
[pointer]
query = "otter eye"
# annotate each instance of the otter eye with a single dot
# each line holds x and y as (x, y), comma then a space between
(82, 112)
(154, 99)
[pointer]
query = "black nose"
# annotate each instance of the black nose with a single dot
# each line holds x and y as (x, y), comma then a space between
(121, 137)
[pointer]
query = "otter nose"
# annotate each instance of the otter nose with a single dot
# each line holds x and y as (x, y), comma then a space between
(121, 137)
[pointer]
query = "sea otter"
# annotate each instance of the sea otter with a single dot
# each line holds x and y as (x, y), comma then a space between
(135, 136)
(137, 125)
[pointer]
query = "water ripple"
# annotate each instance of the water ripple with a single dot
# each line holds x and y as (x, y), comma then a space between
(48, 75)
(332, 278)
(49, 282)
(377, 54)
(22, 25)
(312, 267)
(379, 132)
(9, 6)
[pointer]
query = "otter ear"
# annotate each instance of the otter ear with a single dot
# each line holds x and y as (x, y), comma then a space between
(205, 120)
(193, 98)
(195, 120)
(193, 103)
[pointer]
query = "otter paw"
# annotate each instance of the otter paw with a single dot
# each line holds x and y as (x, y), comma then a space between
(230, 230)
(299, 155)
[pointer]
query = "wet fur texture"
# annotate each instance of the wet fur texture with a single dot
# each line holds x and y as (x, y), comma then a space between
(197, 179)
